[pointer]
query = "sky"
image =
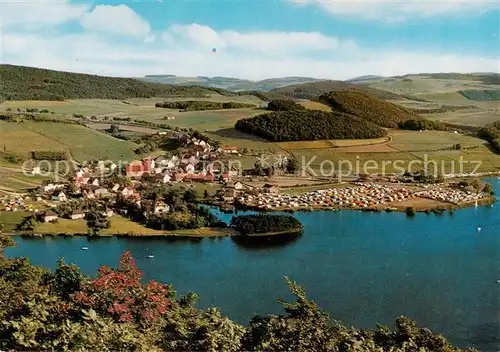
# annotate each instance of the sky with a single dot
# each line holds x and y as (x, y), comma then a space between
(254, 39)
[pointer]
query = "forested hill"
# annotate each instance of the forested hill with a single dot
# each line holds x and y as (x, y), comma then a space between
(368, 108)
(28, 83)
(299, 125)
(315, 89)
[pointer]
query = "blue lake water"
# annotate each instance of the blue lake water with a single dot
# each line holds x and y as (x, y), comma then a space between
(363, 268)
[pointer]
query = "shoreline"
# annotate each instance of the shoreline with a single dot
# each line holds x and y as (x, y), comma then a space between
(389, 207)
(230, 232)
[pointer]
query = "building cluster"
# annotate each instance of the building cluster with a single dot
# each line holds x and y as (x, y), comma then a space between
(200, 162)
(9, 203)
(448, 195)
(363, 195)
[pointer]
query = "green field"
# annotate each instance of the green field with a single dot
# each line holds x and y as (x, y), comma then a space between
(405, 147)
(430, 140)
(10, 219)
(81, 142)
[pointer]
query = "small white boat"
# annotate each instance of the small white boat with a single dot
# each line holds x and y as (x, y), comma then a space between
(475, 204)
(151, 256)
(478, 229)
(85, 248)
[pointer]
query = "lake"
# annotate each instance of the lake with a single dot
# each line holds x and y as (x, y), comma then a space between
(364, 268)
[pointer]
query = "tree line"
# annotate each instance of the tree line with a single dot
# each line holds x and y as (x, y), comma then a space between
(116, 310)
(195, 105)
(491, 133)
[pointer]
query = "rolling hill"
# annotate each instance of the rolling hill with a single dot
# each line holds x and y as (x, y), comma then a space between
(28, 83)
(367, 107)
(228, 83)
(313, 90)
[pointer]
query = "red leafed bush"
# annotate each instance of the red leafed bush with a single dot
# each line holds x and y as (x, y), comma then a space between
(120, 293)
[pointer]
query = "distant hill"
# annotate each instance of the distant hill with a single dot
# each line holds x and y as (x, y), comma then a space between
(28, 83)
(483, 77)
(366, 78)
(228, 83)
(430, 86)
(367, 107)
(313, 90)
(481, 95)
(300, 125)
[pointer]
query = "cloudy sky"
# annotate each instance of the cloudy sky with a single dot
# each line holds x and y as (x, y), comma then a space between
(254, 39)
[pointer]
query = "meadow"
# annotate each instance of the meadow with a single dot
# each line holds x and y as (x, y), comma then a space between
(404, 147)
(82, 143)
(119, 226)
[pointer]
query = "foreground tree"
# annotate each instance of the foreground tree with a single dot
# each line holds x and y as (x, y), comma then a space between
(117, 311)
(96, 221)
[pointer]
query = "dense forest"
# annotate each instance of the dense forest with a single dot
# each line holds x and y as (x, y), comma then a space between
(422, 125)
(283, 105)
(28, 83)
(299, 125)
(313, 90)
(368, 107)
(116, 310)
(491, 133)
(195, 105)
(263, 223)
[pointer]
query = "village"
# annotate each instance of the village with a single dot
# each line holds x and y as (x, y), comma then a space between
(201, 163)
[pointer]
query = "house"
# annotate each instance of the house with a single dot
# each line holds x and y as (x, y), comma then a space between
(161, 133)
(127, 191)
(94, 182)
(61, 197)
(102, 192)
(229, 195)
(189, 168)
(107, 213)
(161, 161)
(161, 208)
(77, 215)
(267, 188)
(169, 117)
(173, 162)
(52, 187)
(239, 186)
(50, 216)
(116, 187)
(139, 168)
(106, 165)
(163, 178)
(231, 149)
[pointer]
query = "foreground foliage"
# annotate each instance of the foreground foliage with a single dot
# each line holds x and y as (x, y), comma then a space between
(65, 310)
(298, 125)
